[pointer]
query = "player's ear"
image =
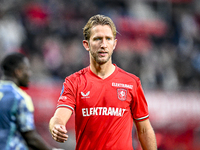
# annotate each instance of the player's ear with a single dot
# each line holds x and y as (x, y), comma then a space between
(86, 45)
(115, 43)
(17, 72)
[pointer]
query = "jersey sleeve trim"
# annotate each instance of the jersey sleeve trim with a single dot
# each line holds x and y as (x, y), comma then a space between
(66, 106)
(142, 118)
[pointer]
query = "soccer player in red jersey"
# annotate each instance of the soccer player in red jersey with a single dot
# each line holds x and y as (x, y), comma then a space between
(106, 100)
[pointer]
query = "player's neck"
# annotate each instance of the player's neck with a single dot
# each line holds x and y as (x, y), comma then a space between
(103, 71)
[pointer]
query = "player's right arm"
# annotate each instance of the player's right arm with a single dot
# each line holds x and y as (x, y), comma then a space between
(58, 122)
(35, 141)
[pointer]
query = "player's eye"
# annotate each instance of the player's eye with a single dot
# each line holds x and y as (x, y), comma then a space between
(97, 39)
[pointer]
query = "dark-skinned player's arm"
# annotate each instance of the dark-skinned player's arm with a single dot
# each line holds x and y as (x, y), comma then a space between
(35, 141)
(57, 124)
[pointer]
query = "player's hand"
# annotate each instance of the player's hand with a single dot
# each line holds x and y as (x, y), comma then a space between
(59, 133)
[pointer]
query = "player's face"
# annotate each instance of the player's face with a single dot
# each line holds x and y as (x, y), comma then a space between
(24, 73)
(101, 44)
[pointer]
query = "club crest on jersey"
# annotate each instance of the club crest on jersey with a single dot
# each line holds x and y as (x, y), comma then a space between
(122, 94)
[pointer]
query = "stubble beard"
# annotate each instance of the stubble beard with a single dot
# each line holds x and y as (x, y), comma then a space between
(98, 59)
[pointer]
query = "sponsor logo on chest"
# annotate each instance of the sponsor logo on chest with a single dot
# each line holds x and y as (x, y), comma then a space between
(121, 85)
(103, 111)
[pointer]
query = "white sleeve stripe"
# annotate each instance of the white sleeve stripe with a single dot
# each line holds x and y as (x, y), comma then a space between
(142, 117)
(66, 106)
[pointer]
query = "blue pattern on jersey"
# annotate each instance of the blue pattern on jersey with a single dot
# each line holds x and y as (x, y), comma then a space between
(15, 116)
(62, 90)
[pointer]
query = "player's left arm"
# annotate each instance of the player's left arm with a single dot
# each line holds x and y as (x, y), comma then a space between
(146, 135)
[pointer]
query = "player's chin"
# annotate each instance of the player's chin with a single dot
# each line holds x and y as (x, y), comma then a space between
(102, 61)
(24, 85)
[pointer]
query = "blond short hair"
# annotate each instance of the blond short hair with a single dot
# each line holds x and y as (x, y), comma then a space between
(98, 20)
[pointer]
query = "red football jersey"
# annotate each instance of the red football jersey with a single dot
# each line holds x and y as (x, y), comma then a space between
(104, 108)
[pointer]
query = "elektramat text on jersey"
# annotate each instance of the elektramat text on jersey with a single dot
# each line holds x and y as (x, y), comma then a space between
(104, 111)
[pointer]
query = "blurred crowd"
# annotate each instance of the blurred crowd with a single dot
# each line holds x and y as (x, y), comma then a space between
(158, 40)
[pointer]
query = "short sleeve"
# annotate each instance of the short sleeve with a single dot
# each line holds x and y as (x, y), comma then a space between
(67, 96)
(139, 106)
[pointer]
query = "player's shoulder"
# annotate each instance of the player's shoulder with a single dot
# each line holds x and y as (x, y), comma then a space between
(82, 72)
(77, 75)
(11, 88)
(8, 87)
(128, 76)
(13, 93)
(23, 98)
(27, 99)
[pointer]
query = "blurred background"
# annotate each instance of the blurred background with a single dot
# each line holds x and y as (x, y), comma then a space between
(158, 40)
